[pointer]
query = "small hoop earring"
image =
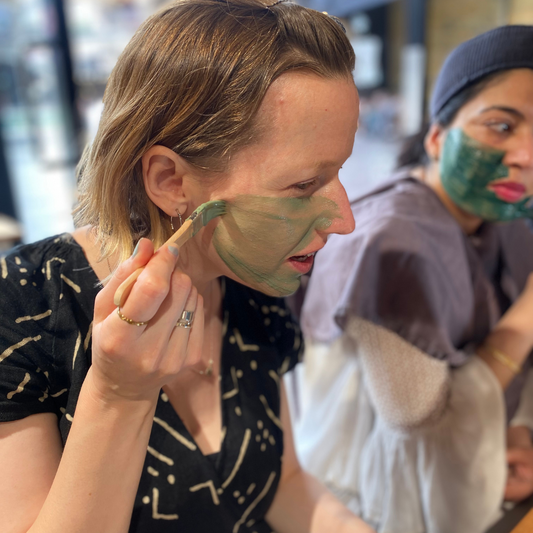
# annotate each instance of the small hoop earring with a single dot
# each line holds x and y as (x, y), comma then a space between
(172, 220)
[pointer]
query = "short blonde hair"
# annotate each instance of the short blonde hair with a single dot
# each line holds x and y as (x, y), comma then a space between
(192, 79)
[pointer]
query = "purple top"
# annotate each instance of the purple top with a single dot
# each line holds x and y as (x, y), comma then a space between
(409, 267)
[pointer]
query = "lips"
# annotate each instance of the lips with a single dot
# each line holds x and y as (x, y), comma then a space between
(302, 258)
(511, 192)
(302, 263)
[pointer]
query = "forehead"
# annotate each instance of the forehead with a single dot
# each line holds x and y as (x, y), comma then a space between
(306, 126)
(303, 112)
(301, 100)
(514, 89)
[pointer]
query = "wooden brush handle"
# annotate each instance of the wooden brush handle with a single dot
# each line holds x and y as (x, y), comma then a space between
(178, 239)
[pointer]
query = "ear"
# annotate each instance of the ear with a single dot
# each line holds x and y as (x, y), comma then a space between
(434, 141)
(163, 173)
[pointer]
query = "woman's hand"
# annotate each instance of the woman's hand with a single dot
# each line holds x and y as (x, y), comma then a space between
(520, 464)
(132, 362)
(520, 477)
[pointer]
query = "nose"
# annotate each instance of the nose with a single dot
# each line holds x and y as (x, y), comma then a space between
(345, 223)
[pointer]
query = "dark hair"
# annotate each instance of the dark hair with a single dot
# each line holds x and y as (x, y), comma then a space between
(413, 152)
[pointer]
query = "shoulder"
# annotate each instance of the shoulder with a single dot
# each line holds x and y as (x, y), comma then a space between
(402, 219)
(44, 270)
(24, 269)
(38, 257)
(407, 205)
(40, 319)
(47, 291)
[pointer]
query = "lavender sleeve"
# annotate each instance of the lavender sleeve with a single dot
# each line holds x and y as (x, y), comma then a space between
(407, 269)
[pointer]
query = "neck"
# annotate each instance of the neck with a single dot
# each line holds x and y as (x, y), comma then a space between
(431, 177)
(203, 275)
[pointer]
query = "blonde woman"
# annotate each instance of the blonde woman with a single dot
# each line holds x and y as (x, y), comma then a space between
(127, 421)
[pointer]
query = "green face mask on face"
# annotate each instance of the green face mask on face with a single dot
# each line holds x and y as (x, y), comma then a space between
(258, 234)
(466, 168)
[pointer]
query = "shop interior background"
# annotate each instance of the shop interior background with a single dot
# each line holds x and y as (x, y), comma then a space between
(56, 55)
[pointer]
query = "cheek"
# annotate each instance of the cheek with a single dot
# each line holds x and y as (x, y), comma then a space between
(258, 234)
(485, 135)
(481, 135)
(529, 184)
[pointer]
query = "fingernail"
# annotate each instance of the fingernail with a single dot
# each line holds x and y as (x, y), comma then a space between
(174, 250)
(136, 250)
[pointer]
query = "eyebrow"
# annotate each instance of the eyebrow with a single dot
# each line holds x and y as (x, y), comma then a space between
(320, 165)
(510, 110)
(325, 164)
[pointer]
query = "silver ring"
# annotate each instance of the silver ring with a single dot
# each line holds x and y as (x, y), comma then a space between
(186, 320)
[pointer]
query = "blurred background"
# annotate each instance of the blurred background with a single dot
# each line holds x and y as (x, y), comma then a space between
(56, 55)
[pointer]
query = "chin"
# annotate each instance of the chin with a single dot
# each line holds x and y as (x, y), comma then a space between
(272, 288)
(276, 293)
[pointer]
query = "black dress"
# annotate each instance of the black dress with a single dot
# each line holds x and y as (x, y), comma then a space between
(47, 293)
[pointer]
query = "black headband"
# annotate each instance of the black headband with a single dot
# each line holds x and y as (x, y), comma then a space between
(503, 48)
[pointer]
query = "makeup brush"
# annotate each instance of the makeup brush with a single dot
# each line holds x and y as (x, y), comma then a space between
(200, 218)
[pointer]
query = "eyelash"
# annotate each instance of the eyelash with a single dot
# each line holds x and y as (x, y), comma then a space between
(305, 185)
(494, 127)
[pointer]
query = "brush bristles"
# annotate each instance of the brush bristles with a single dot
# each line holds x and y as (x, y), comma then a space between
(207, 212)
(212, 210)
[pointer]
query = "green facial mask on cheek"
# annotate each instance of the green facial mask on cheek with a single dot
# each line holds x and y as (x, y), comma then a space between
(258, 234)
(466, 168)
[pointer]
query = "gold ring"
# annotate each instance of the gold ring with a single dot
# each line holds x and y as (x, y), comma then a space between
(129, 320)
(186, 320)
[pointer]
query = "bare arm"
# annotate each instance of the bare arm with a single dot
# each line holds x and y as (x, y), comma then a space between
(91, 486)
(512, 335)
(302, 504)
(30, 450)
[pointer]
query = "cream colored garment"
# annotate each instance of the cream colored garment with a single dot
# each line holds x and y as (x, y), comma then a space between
(407, 444)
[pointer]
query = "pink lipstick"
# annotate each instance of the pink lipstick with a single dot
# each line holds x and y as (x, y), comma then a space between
(509, 191)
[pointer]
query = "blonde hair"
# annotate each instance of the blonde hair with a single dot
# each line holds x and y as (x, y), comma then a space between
(192, 79)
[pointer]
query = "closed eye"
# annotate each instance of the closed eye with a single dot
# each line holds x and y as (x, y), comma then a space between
(317, 181)
(304, 185)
